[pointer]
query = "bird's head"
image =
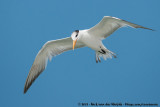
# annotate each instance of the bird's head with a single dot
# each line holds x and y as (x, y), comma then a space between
(75, 37)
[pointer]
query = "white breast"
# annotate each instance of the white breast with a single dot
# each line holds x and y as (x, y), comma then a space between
(91, 41)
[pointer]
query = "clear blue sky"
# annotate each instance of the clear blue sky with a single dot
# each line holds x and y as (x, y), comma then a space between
(74, 76)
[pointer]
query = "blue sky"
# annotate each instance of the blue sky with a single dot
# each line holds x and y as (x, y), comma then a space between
(74, 76)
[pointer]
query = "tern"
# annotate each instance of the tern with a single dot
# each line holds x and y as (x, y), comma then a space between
(91, 38)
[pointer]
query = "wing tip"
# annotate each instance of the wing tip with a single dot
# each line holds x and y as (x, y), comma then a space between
(25, 90)
(151, 29)
(26, 87)
(30, 82)
(129, 22)
(147, 28)
(27, 84)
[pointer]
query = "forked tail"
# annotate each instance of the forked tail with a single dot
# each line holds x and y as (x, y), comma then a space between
(104, 54)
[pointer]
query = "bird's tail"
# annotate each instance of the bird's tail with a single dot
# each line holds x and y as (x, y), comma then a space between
(107, 54)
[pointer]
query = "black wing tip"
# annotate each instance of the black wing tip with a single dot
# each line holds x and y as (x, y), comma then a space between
(25, 90)
(29, 83)
(139, 26)
(26, 87)
(149, 29)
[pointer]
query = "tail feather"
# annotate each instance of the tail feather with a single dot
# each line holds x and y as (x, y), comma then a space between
(105, 56)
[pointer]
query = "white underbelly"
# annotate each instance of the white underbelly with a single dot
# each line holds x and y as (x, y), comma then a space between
(93, 43)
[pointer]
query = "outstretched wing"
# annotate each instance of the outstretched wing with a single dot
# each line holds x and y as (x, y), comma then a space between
(51, 48)
(110, 24)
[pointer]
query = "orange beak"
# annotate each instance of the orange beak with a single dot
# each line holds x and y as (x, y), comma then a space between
(74, 43)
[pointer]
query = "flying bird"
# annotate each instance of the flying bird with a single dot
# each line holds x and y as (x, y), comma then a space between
(91, 38)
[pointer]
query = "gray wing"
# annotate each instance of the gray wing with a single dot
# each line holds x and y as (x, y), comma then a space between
(51, 48)
(110, 24)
